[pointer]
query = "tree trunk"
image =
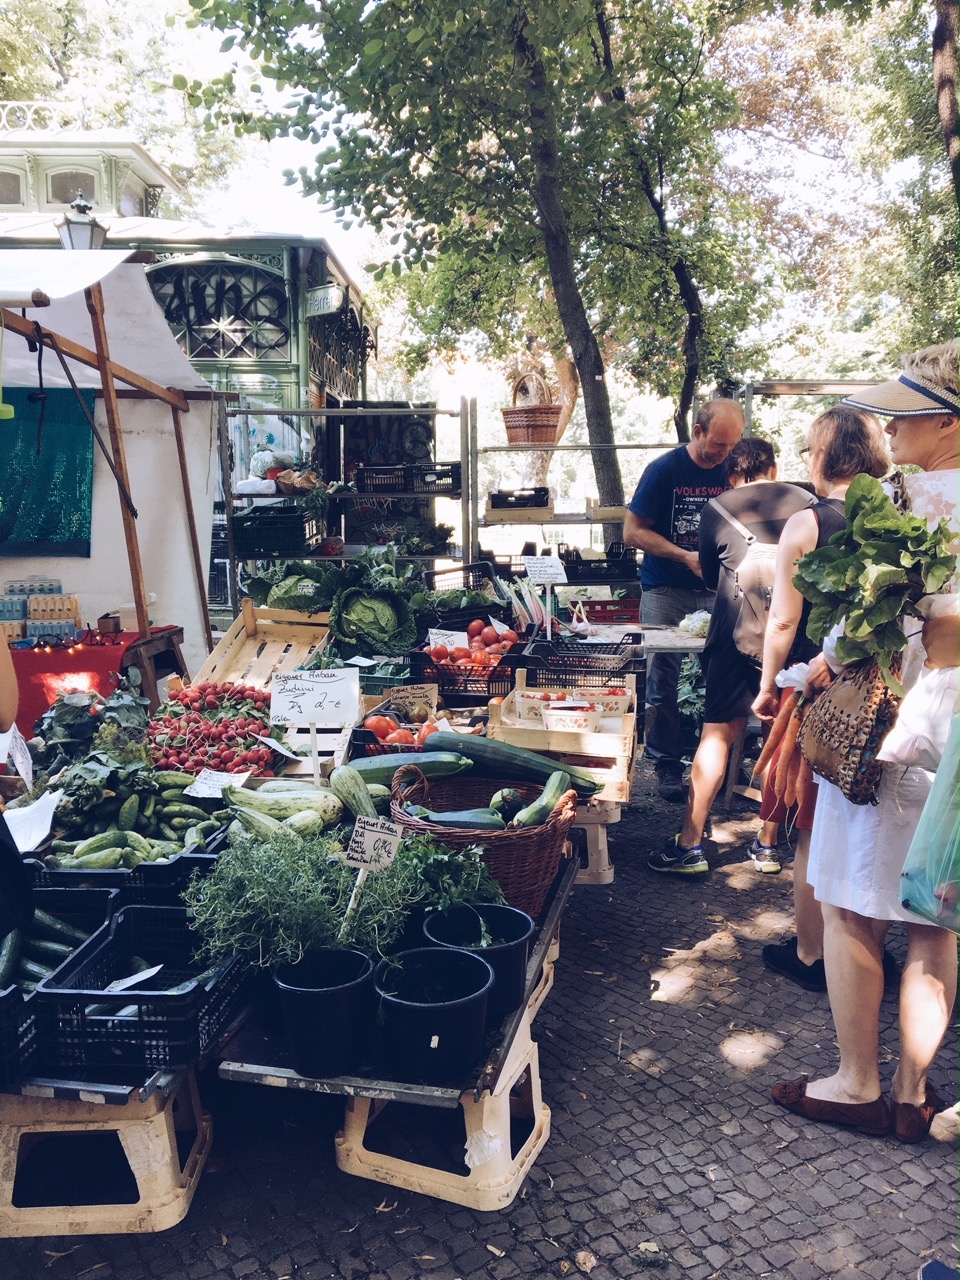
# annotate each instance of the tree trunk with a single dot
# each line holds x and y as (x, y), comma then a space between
(945, 83)
(548, 195)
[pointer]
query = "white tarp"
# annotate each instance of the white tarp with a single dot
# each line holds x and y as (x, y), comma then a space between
(137, 333)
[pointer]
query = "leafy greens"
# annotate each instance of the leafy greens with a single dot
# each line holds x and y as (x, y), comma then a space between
(872, 574)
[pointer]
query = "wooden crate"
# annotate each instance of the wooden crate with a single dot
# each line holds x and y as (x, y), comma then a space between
(518, 515)
(599, 514)
(609, 756)
(262, 641)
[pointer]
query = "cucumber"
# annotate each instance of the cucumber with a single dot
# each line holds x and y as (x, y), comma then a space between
(173, 778)
(101, 860)
(46, 951)
(493, 759)
(48, 926)
(172, 794)
(106, 840)
(9, 957)
(129, 812)
(433, 764)
(171, 811)
(147, 806)
(31, 971)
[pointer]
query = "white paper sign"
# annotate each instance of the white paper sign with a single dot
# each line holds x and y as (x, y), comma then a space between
(20, 755)
(373, 844)
(281, 748)
(31, 824)
(328, 698)
(452, 639)
(498, 626)
(361, 661)
(544, 569)
(211, 782)
(404, 696)
(133, 979)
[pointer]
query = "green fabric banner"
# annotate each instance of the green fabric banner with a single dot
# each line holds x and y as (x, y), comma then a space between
(46, 498)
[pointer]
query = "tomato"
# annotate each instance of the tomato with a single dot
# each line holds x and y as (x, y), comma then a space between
(475, 627)
(439, 653)
(482, 658)
(490, 635)
(401, 736)
(509, 637)
(460, 654)
(380, 725)
(494, 648)
(425, 732)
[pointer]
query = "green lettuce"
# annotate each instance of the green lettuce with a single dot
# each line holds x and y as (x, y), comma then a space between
(872, 574)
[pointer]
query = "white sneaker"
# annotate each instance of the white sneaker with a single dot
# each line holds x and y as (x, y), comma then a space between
(764, 857)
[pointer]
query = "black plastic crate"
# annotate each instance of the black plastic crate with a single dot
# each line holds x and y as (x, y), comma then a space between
(461, 577)
(468, 684)
(381, 479)
(620, 570)
(85, 909)
(573, 678)
(81, 1024)
(557, 655)
(150, 883)
(443, 478)
(505, 499)
(276, 530)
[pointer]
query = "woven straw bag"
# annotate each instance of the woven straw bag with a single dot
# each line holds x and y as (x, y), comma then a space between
(844, 728)
(532, 423)
(523, 860)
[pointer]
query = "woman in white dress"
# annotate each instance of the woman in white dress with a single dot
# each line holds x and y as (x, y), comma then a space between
(857, 851)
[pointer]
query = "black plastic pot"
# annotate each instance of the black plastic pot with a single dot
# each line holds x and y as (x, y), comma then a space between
(434, 1011)
(511, 931)
(326, 1001)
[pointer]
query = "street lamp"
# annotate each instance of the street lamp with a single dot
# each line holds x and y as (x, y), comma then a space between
(78, 230)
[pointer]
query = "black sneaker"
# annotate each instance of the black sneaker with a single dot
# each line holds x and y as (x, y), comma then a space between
(782, 958)
(670, 782)
(679, 861)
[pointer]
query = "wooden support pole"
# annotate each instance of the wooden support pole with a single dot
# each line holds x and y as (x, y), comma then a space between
(94, 300)
(192, 526)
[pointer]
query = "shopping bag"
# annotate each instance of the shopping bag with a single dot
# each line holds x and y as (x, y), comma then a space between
(930, 882)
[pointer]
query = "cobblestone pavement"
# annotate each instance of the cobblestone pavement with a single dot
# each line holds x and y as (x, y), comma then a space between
(658, 1047)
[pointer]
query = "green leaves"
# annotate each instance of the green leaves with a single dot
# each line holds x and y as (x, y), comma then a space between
(873, 573)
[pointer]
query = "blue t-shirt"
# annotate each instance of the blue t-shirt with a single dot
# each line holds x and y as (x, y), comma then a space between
(672, 493)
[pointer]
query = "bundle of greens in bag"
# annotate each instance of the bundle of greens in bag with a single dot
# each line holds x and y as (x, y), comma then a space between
(873, 574)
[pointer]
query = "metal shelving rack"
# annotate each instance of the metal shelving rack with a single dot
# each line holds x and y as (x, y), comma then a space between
(466, 413)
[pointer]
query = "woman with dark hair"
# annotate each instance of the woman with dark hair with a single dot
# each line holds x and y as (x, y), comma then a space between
(840, 444)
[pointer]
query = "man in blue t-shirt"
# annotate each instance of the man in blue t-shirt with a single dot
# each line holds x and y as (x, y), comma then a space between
(663, 520)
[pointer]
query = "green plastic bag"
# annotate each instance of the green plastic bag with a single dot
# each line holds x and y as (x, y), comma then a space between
(930, 881)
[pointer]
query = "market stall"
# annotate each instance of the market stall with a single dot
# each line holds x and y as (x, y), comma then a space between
(82, 334)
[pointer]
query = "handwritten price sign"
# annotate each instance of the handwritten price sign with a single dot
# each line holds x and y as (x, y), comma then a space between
(373, 844)
(328, 698)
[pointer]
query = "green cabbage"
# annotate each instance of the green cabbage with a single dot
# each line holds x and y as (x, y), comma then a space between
(373, 621)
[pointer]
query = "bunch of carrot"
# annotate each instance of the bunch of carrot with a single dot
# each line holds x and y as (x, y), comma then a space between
(791, 773)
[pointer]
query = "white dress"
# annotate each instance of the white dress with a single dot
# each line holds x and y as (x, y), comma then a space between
(857, 851)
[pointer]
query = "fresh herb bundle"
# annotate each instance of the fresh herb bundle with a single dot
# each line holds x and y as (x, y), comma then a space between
(872, 574)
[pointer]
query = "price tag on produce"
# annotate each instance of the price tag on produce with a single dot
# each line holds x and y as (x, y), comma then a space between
(542, 569)
(327, 699)
(20, 755)
(452, 639)
(209, 783)
(280, 748)
(373, 845)
(360, 661)
(499, 627)
(405, 696)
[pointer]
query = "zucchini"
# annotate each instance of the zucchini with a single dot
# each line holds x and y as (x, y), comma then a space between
(49, 926)
(351, 790)
(433, 764)
(9, 957)
(479, 819)
(259, 824)
(380, 795)
(493, 759)
(324, 802)
(507, 802)
(46, 951)
(540, 809)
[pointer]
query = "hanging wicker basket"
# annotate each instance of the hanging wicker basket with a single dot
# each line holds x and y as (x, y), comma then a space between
(532, 423)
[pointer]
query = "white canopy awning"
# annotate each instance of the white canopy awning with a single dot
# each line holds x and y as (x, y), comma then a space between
(137, 333)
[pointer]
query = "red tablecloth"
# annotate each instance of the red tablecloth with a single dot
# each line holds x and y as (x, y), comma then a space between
(43, 676)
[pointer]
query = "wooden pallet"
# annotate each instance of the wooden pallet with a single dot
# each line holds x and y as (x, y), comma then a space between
(262, 641)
